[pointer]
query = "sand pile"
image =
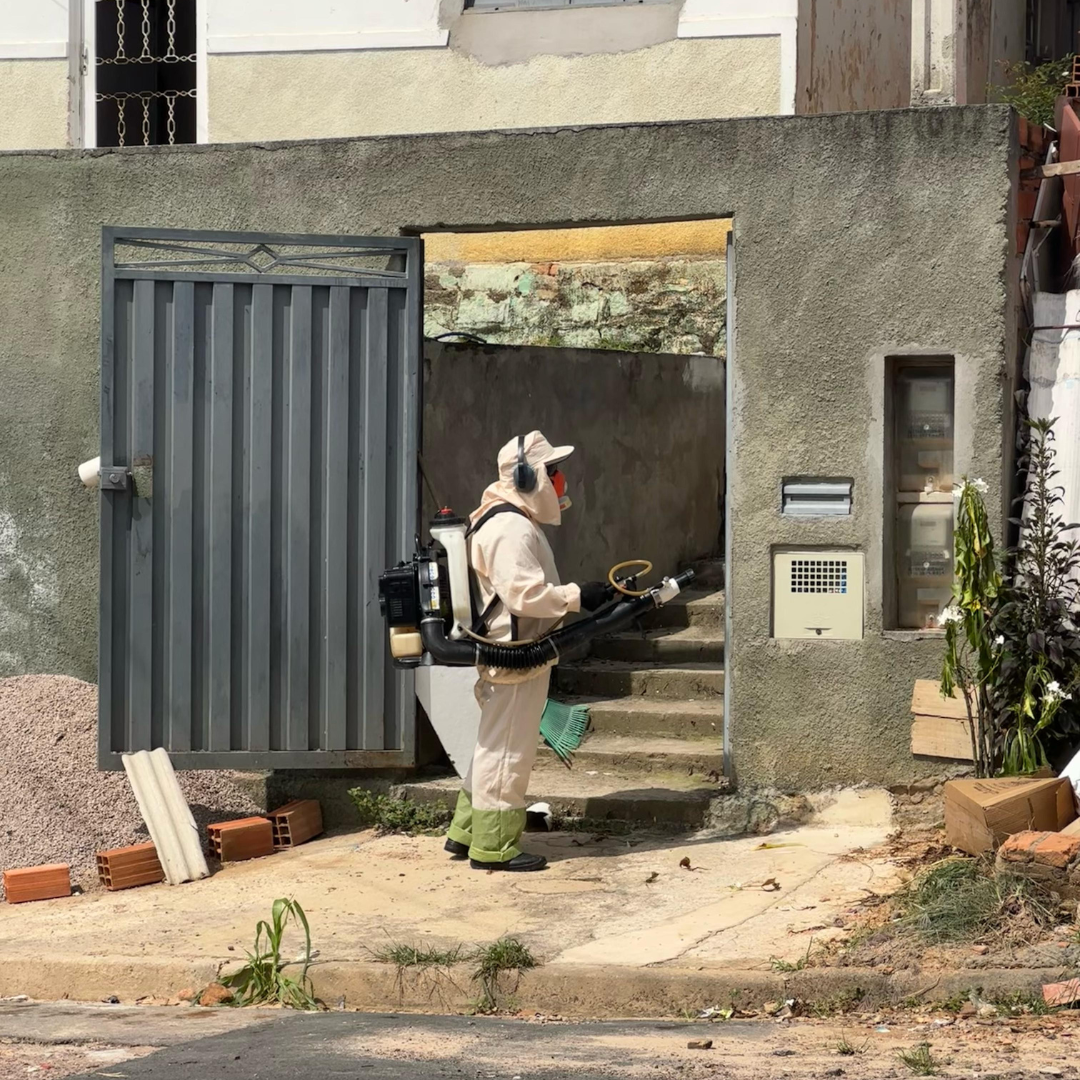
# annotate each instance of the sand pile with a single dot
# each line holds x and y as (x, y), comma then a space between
(55, 806)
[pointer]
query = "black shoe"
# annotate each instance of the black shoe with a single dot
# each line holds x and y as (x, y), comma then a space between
(521, 862)
(459, 851)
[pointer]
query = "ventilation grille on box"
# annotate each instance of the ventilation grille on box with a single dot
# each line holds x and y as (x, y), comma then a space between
(819, 576)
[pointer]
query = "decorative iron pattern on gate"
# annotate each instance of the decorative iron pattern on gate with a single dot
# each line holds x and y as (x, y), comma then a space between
(260, 402)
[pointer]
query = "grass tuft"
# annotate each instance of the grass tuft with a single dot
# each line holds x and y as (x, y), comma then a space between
(960, 899)
(846, 1048)
(417, 956)
(390, 815)
(506, 955)
(262, 981)
(920, 1061)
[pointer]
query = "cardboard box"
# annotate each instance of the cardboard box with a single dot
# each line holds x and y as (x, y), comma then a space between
(980, 814)
(1072, 829)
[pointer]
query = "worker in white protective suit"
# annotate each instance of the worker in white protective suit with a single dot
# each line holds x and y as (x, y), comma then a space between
(518, 597)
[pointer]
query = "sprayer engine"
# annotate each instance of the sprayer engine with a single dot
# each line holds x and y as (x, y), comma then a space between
(427, 604)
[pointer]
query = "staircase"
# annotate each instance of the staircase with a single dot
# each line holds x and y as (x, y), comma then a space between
(654, 752)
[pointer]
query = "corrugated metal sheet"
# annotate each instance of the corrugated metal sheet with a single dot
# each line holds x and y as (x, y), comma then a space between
(269, 422)
(167, 815)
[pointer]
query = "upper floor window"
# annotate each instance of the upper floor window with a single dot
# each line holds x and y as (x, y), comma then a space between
(144, 91)
(526, 5)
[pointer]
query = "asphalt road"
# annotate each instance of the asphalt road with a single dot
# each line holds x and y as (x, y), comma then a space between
(294, 1046)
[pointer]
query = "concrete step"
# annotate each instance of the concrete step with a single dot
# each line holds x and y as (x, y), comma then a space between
(669, 645)
(662, 799)
(613, 678)
(639, 716)
(698, 608)
(607, 754)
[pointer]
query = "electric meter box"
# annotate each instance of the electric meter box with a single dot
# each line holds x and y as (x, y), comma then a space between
(924, 432)
(924, 558)
(818, 594)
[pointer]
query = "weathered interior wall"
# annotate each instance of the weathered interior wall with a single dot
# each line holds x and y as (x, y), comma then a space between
(853, 56)
(646, 478)
(904, 248)
(658, 287)
(662, 305)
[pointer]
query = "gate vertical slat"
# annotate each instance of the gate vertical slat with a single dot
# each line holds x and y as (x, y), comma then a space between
(141, 557)
(109, 535)
(218, 550)
(178, 628)
(298, 529)
(372, 658)
(257, 583)
(335, 480)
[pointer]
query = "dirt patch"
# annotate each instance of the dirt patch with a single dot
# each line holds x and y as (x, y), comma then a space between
(1036, 933)
(18, 1060)
(55, 806)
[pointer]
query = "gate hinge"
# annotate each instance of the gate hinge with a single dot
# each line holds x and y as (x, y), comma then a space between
(114, 478)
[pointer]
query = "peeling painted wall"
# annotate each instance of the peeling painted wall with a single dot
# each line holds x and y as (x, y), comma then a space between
(662, 306)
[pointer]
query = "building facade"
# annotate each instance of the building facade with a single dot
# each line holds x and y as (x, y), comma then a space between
(96, 73)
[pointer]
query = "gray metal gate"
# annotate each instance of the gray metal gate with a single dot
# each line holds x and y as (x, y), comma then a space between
(259, 436)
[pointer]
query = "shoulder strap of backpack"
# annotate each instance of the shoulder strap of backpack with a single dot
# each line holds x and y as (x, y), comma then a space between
(480, 621)
(500, 508)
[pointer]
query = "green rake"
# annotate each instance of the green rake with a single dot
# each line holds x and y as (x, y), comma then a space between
(563, 727)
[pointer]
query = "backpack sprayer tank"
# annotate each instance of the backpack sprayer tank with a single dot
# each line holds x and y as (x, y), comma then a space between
(427, 605)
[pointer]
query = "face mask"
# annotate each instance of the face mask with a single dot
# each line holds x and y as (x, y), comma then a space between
(558, 482)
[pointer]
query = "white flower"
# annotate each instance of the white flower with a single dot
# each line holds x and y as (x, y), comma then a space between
(999, 640)
(950, 615)
(981, 486)
(1054, 693)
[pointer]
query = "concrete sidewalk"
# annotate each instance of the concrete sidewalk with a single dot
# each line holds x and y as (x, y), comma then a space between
(606, 911)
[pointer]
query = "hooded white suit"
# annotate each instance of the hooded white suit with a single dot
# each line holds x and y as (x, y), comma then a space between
(512, 559)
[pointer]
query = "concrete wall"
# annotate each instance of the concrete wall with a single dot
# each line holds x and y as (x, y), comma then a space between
(853, 56)
(646, 477)
(903, 249)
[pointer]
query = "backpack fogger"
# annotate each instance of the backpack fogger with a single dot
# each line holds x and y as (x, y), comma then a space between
(430, 613)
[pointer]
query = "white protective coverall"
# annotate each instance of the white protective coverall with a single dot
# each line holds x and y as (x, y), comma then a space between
(511, 558)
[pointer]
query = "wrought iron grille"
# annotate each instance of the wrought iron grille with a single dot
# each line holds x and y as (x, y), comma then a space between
(145, 67)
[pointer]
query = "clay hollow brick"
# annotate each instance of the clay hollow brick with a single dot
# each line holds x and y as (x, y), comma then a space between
(1057, 850)
(1020, 847)
(128, 867)
(37, 883)
(245, 838)
(296, 822)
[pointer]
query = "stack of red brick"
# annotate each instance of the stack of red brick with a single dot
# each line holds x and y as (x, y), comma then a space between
(125, 868)
(1034, 141)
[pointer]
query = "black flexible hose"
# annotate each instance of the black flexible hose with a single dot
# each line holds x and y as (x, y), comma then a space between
(569, 643)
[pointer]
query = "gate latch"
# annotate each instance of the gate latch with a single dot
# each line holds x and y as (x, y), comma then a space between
(114, 478)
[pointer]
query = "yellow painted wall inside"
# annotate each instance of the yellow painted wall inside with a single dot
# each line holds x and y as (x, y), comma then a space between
(33, 104)
(254, 97)
(600, 243)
